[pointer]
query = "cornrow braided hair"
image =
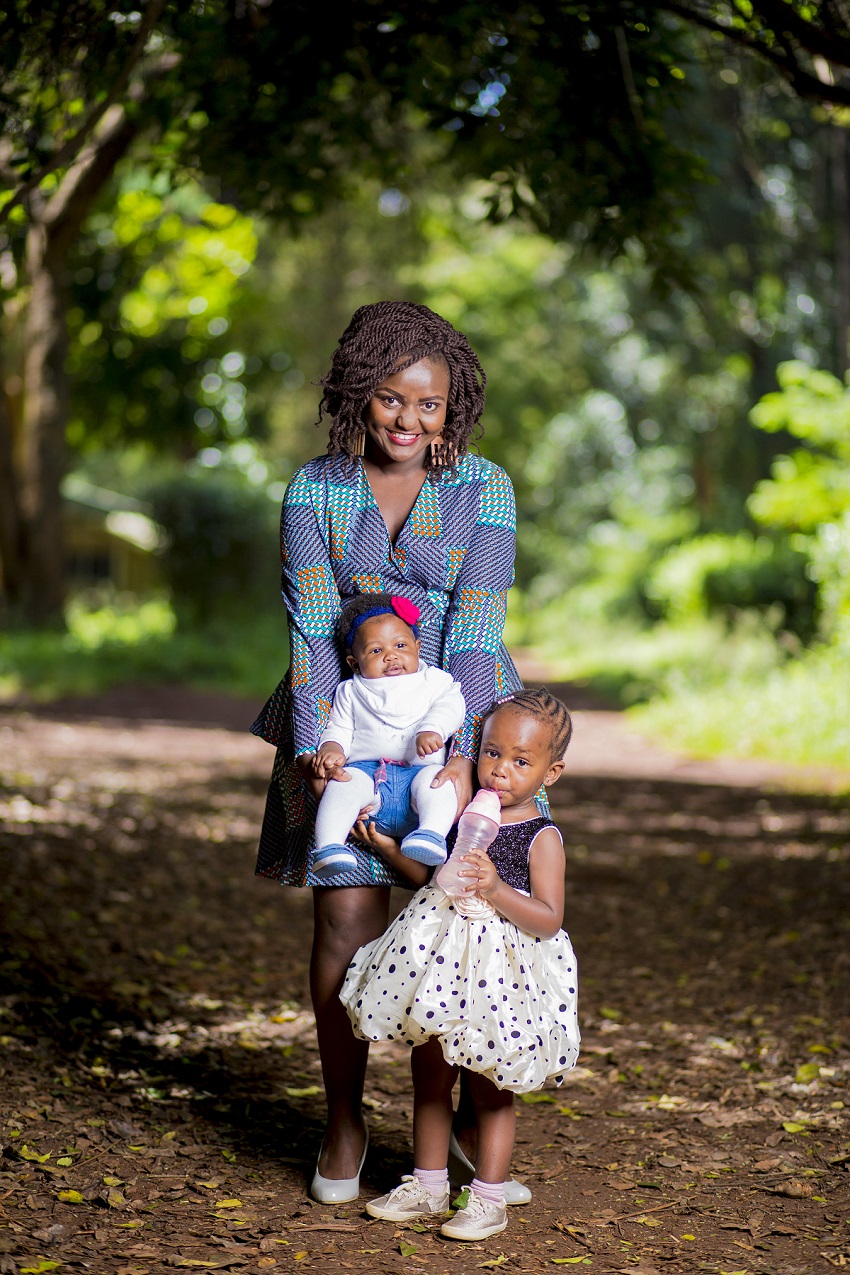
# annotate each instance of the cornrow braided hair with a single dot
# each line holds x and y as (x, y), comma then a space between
(537, 700)
(387, 337)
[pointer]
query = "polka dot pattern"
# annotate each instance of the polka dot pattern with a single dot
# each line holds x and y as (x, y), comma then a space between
(501, 1002)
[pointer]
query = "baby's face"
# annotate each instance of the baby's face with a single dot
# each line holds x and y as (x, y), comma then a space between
(384, 646)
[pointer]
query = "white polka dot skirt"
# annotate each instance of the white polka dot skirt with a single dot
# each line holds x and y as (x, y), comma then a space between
(501, 1002)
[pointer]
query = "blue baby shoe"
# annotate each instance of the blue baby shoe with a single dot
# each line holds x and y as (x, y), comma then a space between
(425, 846)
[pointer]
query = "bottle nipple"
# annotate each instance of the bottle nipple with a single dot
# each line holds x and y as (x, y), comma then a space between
(486, 802)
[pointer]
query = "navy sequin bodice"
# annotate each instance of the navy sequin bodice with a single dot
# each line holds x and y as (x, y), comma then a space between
(509, 852)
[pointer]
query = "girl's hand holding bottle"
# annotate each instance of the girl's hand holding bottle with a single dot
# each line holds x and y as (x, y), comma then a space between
(484, 880)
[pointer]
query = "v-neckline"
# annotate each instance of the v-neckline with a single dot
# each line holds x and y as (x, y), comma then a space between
(392, 543)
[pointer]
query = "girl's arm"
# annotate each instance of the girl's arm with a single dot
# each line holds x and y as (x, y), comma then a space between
(543, 913)
(390, 851)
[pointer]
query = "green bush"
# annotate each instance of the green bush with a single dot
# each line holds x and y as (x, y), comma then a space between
(117, 639)
(718, 573)
(221, 552)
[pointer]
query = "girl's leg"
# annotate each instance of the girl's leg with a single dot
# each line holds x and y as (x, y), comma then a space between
(433, 1081)
(464, 1126)
(496, 1129)
(344, 919)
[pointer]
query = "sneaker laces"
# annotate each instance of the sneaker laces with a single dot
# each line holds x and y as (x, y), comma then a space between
(410, 1186)
(476, 1205)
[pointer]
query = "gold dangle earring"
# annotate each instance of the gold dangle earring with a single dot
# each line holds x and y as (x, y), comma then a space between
(443, 454)
(359, 448)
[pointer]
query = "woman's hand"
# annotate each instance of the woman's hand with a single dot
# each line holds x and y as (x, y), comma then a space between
(387, 847)
(390, 851)
(311, 779)
(457, 770)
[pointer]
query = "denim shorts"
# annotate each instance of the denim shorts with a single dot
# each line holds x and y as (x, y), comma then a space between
(396, 817)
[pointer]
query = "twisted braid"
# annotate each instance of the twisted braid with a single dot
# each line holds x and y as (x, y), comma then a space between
(387, 337)
(537, 700)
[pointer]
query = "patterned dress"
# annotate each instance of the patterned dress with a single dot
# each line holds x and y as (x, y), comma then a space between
(501, 1002)
(454, 557)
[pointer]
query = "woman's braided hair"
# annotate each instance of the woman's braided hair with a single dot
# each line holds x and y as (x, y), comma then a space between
(388, 337)
(537, 700)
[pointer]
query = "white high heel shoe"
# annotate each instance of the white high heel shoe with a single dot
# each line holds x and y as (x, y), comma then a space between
(338, 1190)
(462, 1171)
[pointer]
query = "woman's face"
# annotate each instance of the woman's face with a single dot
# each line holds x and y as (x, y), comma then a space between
(406, 412)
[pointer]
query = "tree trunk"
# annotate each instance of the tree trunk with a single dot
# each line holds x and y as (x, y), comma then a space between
(46, 403)
(12, 545)
(54, 226)
(842, 244)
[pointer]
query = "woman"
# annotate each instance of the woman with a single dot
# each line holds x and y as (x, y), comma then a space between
(397, 505)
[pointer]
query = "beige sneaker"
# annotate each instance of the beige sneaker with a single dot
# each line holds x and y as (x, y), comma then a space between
(477, 1220)
(408, 1201)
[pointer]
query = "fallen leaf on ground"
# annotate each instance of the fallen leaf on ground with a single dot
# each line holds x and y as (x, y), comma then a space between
(794, 1189)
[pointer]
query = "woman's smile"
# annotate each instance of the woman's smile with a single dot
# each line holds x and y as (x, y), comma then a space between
(407, 412)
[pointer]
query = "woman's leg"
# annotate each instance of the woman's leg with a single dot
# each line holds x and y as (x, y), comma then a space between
(433, 1081)
(345, 917)
(496, 1129)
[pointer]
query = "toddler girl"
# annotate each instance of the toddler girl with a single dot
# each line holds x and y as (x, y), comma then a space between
(492, 991)
(385, 739)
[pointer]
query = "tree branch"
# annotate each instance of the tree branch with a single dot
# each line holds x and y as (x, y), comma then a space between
(71, 148)
(804, 83)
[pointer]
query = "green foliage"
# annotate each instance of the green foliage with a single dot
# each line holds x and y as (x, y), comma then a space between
(220, 556)
(731, 573)
(812, 485)
(798, 713)
(189, 264)
(145, 347)
(569, 116)
(829, 550)
(119, 639)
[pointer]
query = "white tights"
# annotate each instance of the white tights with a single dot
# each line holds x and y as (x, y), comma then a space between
(342, 802)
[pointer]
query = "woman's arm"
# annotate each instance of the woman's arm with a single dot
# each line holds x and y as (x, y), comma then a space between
(543, 913)
(390, 851)
(476, 615)
(313, 604)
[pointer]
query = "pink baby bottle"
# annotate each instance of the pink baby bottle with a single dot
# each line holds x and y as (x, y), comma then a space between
(476, 830)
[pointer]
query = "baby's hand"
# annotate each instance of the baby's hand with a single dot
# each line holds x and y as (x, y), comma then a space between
(486, 879)
(427, 742)
(328, 763)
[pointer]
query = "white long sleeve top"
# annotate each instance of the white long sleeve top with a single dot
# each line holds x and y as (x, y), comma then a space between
(374, 717)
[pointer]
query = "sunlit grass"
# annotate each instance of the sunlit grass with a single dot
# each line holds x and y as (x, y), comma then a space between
(799, 713)
(705, 687)
(120, 639)
(629, 663)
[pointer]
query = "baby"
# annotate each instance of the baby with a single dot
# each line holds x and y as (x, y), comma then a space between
(385, 739)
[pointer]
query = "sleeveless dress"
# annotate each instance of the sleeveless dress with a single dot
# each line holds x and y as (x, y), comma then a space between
(454, 557)
(502, 1002)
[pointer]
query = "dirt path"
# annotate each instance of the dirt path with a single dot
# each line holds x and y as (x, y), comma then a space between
(159, 1083)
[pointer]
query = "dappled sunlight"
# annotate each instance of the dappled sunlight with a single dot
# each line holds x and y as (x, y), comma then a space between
(160, 1053)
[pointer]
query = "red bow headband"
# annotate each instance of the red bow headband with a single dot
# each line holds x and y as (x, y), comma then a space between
(402, 607)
